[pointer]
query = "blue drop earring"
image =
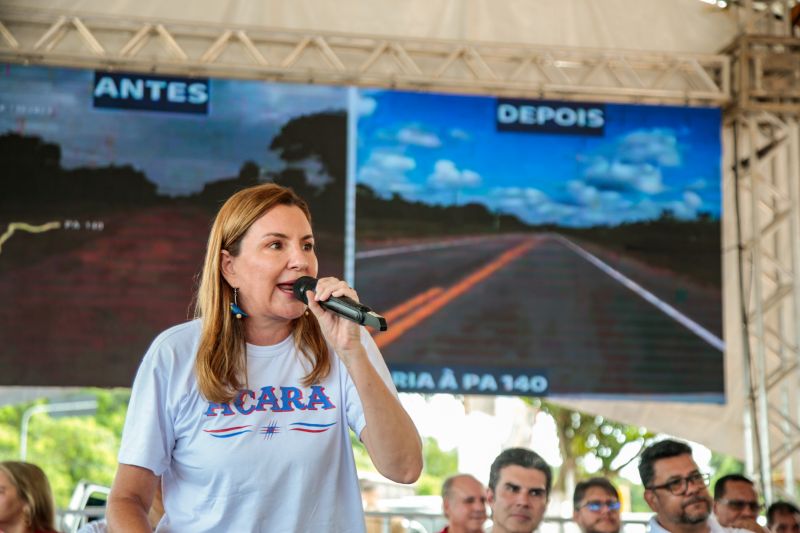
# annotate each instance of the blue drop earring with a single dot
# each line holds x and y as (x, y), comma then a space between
(235, 309)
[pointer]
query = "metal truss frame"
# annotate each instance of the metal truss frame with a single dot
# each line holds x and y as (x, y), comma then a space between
(756, 79)
(762, 162)
(767, 17)
(766, 73)
(51, 37)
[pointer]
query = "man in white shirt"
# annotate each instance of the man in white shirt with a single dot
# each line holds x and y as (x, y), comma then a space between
(519, 489)
(677, 491)
(736, 503)
(783, 517)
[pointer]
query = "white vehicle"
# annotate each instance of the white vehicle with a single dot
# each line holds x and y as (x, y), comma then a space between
(87, 503)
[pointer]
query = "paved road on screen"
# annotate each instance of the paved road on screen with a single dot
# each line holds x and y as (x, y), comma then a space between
(539, 301)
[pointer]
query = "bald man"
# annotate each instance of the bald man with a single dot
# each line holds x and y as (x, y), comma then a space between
(463, 504)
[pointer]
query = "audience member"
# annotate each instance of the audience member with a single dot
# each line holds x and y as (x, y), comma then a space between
(26, 500)
(596, 506)
(463, 504)
(519, 489)
(736, 503)
(676, 490)
(783, 517)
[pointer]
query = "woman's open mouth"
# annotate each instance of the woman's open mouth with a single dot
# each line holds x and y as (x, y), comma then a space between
(286, 288)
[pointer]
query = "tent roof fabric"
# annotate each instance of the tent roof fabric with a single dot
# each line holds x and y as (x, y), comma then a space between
(677, 26)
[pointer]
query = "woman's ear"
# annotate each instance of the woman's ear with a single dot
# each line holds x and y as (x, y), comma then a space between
(226, 266)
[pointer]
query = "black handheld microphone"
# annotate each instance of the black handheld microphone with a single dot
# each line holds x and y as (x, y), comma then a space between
(341, 305)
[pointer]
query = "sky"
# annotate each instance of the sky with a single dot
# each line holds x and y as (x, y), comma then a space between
(179, 152)
(444, 149)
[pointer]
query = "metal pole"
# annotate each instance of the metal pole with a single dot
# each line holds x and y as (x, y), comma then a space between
(350, 187)
(793, 381)
(749, 407)
(762, 406)
(65, 407)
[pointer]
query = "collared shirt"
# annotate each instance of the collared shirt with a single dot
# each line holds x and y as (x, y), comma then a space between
(713, 526)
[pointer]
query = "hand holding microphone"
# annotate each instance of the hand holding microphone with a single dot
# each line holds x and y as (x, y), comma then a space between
(341, 305)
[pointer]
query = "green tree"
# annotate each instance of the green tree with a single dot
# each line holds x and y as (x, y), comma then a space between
(69, 449)
(72, 449)
(581, 435)
(9, 441)
(439, 465)
(360, 454)
(722, 465)
(112, 406)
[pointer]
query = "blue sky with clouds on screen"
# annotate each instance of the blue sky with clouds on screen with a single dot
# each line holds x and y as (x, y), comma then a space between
(445, 149)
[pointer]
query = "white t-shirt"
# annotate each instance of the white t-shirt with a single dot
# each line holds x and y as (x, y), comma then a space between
(713, 525)
(278, 458)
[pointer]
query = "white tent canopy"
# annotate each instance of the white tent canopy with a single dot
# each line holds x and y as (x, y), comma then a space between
(653, 25)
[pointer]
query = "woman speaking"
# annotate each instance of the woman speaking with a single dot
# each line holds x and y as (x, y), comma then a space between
(244, 412)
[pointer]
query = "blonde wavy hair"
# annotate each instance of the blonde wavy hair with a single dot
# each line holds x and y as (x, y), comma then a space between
(34, 490)
(221, 363)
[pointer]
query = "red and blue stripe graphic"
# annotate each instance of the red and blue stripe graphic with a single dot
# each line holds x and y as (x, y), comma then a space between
(226, 433)
(308, 427)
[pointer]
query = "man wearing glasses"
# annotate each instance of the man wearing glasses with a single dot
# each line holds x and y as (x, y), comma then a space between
(736, 503)
(519, 489)
(676, 490)
(596, 504)
(783, 517)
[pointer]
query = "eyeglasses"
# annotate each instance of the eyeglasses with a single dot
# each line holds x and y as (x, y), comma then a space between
(597, 506)
(738, 505)
(680, 485)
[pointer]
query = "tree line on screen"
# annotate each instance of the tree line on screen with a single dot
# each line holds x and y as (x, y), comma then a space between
(692, 248)
(35, 184)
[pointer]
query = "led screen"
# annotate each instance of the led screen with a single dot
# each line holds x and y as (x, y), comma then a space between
(515, 246)
(542, 247)
(109, 187)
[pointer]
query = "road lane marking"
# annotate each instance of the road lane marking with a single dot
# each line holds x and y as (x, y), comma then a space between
(648, 296)
(413, 319)
(394, 250)
(399, 310)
